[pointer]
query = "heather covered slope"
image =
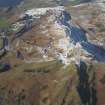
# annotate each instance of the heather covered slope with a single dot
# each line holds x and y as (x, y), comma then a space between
(52, 83)
(42, 84)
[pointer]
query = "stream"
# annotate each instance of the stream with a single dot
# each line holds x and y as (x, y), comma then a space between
(77, 35)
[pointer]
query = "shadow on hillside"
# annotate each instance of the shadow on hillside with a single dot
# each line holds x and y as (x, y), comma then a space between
(86, 91)
(3, 54)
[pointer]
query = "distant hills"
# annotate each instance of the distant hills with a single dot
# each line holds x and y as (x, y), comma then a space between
(39, 3)
(9, 3)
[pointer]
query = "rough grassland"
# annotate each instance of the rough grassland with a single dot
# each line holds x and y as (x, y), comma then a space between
(48, 83)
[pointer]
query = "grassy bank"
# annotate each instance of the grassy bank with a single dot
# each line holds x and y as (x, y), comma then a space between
(4, 23)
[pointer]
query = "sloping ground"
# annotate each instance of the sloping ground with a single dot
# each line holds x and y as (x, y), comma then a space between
(90, 18)
(91, 85)
(100, 83)
(42, 39)
(52, 83)
(39, 84)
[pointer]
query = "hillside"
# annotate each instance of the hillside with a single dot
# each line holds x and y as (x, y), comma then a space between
(41, 84)
(53, 55)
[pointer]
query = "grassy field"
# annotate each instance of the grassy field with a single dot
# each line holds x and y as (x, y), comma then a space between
(4, 23)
